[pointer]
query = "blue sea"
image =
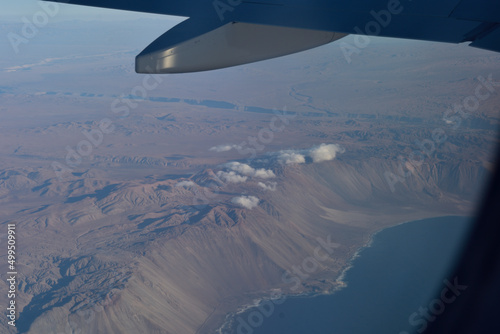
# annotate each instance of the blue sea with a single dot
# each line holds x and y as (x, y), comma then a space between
(388, 284)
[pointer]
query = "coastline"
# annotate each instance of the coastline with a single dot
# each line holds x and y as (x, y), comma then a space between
(339, 280)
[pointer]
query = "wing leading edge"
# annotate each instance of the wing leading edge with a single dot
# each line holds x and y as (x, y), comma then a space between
(223, 33)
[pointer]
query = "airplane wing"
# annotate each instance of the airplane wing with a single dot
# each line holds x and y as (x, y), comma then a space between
(223, 33)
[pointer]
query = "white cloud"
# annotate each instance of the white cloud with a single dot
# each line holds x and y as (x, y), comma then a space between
(264, 173)
(270, 186)
(325, 152)
(231, 177)
(224, 148)
(291, 157)
(185, 184)
(240, 168)
(248, 202)
(250, 171)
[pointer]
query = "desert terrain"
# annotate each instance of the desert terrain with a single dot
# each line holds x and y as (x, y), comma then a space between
(161, 204)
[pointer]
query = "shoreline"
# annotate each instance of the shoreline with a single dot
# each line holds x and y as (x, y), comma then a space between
(339, 281)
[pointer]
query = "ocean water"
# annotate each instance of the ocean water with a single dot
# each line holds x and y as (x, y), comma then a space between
(388, 284)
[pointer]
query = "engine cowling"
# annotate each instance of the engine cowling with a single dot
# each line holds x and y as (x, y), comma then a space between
(194, 46)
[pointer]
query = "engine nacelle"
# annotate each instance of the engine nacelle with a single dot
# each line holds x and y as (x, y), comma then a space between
(191, 46)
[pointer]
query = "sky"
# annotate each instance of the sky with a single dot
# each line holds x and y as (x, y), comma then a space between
(14, 10)
(23, 18)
